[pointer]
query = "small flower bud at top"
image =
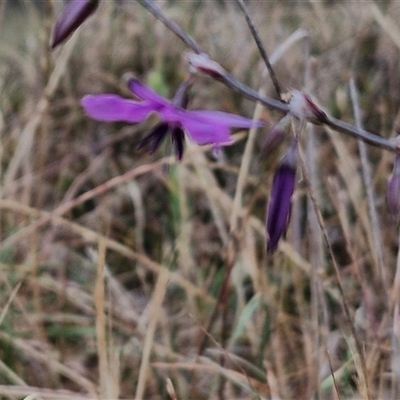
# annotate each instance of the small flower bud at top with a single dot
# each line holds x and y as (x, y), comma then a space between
(393, 191)
(303, 107)
(277, 135)
(202, 63)
(280, 204)
(72, 17)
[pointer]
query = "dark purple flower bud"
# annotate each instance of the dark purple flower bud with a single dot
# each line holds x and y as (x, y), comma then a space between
(393, 191)
(72, 17)
(277, 135)
(280, 204)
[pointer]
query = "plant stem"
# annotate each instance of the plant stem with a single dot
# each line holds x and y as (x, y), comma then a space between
(261, 48)
(232, 83)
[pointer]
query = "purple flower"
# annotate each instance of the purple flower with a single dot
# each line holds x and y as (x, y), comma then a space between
(72, 17)
(280, 204)
(393, 191)
(203, 127)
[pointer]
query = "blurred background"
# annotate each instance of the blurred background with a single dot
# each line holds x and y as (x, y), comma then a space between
(125, 274)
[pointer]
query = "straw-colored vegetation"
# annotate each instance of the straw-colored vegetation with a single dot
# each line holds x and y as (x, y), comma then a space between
(112, 260)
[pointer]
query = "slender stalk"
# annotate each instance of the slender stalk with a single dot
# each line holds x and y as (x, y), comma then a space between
(156, 12)
(261, 48)
(251, 94)
(337, 391)
(244, 169)
(362, 134)
(317, 257)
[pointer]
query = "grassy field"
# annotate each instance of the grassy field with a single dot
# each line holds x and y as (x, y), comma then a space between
(129, 275)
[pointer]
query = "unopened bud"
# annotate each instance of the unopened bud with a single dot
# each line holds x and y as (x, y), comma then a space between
(303, 107)
(72, 17)
(280, 204)
(202, 63)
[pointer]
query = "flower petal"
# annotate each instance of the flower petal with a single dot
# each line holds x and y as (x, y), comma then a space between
(206, 127)
(203, 132)
(222, 118)
(178, 140)
(154, 138)
(145, 93)
(112, 108)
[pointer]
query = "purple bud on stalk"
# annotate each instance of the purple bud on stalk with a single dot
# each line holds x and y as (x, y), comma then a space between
(72, 17)
(280, 204)
(393, 191)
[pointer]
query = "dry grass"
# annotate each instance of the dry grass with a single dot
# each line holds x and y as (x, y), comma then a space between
(113, 263)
